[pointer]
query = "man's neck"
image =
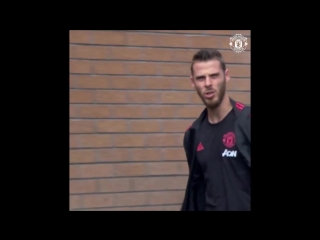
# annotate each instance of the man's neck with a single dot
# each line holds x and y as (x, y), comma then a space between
(218, 114)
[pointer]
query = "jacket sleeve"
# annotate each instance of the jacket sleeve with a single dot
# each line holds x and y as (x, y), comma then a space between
(245, 122)
(243, 132)
(194, 189)
(185, 147)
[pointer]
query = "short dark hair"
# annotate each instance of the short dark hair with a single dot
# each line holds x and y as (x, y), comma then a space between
(204, 55)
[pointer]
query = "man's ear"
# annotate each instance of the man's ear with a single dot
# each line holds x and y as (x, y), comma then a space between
(192, 81)
(226, 73)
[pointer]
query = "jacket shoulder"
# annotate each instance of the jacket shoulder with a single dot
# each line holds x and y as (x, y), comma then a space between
(240, 107)
(243, 122)
(243, 133)
(242, 111)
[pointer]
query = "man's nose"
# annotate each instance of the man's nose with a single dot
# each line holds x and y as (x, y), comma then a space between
(207, 81)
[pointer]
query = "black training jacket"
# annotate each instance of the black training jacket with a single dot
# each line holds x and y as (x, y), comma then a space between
(194, 199)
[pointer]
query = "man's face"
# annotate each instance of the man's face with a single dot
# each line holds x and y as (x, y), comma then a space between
(210, 82)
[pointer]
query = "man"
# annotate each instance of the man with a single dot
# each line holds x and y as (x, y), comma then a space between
(218, 143)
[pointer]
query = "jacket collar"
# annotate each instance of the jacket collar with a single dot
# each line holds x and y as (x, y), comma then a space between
(236, 106)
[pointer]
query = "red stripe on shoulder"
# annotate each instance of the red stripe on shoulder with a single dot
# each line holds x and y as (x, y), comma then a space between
(239, 105)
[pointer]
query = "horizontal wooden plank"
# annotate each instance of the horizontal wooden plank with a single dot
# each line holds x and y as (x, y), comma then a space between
(128, 199)
(142, 83)
(127, 154)
(151, 39)
(216, 32)
(131, 126)
(145, 68)
(175, 207)
(134, 111)
(143, 97)
(148, 54)
(140, 184)
(125, 140)
(127, 169)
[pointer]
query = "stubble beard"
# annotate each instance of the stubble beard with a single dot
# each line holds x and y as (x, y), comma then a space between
(215, 102)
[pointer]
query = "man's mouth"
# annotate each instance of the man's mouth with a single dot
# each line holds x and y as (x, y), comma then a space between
(209, 94)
